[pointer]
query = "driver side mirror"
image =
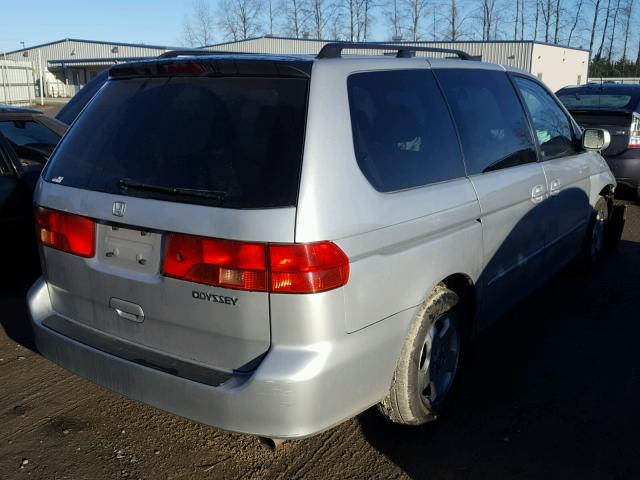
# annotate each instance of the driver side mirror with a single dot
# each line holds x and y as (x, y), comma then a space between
(595, 139)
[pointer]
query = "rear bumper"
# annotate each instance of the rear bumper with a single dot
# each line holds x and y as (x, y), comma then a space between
(626, 167)
(295, 391)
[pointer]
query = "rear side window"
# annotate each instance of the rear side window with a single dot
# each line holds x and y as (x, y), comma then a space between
(492, 123)
(403, 135)
(27, 133)
(239, 138)
(596, 101)
(31, 141)
(551, 125)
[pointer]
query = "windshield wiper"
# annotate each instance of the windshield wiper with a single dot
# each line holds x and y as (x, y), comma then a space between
(128, 184)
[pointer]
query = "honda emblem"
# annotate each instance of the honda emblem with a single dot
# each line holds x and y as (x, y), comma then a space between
(119, 208)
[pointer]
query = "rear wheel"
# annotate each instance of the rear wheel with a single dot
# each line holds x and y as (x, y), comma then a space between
(429, 363)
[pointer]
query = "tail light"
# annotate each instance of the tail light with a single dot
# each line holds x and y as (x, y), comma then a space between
(66, 232)
(294, 268)
(634, 138)
(221, 263)
(316, 267)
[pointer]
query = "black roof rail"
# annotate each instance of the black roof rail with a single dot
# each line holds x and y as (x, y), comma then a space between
(334, 50)
(195, 52)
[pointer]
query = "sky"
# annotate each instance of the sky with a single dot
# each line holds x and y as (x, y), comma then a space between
(154, 22)
(157, 22)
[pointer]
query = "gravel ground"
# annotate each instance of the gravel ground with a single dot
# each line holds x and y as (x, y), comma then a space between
(551, 391)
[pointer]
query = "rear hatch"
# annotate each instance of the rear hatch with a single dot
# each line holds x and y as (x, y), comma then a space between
(169, 151)
(608, 106)
(617, 123)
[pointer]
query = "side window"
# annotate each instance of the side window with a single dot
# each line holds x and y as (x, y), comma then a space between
(403, 135)
(493, 126)
(552, 127)
(32, 142)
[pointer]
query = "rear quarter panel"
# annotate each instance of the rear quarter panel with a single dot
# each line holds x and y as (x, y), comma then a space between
(400, 245)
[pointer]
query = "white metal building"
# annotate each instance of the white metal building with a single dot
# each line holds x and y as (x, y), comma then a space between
(16, 83)
(70, 63)
(557, 66)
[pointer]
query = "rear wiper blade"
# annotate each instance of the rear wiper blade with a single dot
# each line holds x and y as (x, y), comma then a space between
(128, 184)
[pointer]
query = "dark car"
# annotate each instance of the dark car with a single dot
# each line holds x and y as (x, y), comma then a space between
(27, 138)
(616, 108)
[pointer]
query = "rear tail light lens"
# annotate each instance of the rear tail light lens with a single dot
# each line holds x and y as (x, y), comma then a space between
(312, 268)
(296, 268)
(66, 232)
(221, 263)
(634, 138)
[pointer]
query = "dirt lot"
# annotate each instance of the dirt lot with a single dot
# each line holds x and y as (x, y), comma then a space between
(551, 392)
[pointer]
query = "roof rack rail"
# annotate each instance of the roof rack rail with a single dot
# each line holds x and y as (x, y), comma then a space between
(334, 50)
(195, 52)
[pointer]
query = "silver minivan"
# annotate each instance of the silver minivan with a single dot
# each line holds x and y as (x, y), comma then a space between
(272, 244)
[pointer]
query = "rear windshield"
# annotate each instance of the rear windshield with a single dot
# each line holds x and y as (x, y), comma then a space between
(239, 137)
(596, 101)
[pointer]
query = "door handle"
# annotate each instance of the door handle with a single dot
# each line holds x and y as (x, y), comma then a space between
(537, 193)
(555, 187)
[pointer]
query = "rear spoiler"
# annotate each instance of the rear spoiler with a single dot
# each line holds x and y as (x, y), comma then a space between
(214, 66)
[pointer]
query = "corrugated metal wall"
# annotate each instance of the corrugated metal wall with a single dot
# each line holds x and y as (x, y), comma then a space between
(74, 49)
(65, 80)
(516, 54)
(16, 83)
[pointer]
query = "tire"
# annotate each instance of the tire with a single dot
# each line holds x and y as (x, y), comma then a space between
(413, 398)
(594, 241)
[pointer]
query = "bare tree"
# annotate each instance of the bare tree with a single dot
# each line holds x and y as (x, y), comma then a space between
(628, 13)
(576, 19)
(517, 20)
(271, 17)
(393, 15)
(613, 31)
(604, 30)
(546, 16)
(522, 21)
(596, 11)
(240, 19)
(296, 17)
(535, 32)
(488, 18)
(415, 13)
(322, 13)
(454, 22)
(558, 10)
(198, 26)
(366, 18)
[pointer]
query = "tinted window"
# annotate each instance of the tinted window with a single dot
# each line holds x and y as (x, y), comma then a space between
(492, 123)
(551, 125)
(71, 110)
(402, 130)
(32, 142)
(26, 133)
(594, 101)
(240, 137)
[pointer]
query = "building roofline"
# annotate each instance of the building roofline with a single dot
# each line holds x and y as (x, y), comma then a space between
(100, 59)
(98, 42)
(404, 42)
